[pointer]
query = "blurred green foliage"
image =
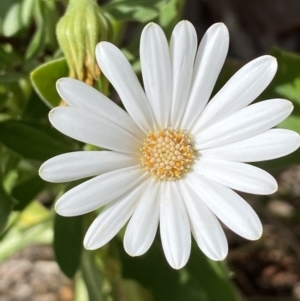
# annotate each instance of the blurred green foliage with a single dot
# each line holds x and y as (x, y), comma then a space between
(30, 64)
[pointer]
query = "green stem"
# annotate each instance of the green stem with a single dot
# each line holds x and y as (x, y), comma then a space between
(91, 276)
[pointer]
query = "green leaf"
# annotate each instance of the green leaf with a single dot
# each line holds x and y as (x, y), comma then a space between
(9, 161)
(38, 40)
(27, 11)
(16, 15)
(25, 191)
(12, 23)
(290, 90)
(288, 71)
(44, 80)
(9, 59)
(10, 77)
(170, 13)
(133, 10)
(291, 123)
(145, 269)
(36, 44)
(5, 7)
(286, 83)
(209, 275)
(133, 291)
(35, 109)
(33, 141)
(68, 237)
(196, 282)
(31, 226)
(6, 206)
(51, 18)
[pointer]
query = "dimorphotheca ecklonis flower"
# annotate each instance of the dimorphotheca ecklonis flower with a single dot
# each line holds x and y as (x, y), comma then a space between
(174, 158)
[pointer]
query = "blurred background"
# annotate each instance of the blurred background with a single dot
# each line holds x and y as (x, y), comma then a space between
(255, 26)
(41, 255)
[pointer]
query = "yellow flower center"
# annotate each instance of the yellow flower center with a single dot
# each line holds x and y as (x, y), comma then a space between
(167, 154)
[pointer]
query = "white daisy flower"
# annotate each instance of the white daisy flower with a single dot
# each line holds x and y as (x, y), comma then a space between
(174, 159)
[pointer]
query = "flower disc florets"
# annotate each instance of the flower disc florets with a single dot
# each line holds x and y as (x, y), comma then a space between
(167, 154)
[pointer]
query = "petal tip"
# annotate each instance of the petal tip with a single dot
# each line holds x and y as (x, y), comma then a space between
(150, 26)
(270, 57)
(217, 253)
(64, 85)
(57, 208)
(275, 187)
(256, 234)
(59, 86)
(297, 140)
(132, 250)
(90, 243)
(221, 27)
(98, 46)
(185, 23)
(40, 172)
(271, 187)
(59, 82)
(103, 44)
(289, 106)
(178, 266)
(87, 244)
(220, 257)
(102, 48)
(223, 256)
(273, 63)
(52, 111)
(61, 210)
(51, 114)
(131, 254)
(270, 61)
(134, 254)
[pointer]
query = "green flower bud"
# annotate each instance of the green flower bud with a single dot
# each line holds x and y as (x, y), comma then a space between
(78, 32)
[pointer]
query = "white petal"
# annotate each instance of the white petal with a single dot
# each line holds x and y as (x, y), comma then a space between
(205, 227)
(98, 191)
(243, 87)
(78, 165)
(183, 48)
(269, 145)
(80, 95)
(156, 71)
(236, 175)
(113, 218)
(119, 72)
(143, 224)
(92, 129)
(209, 61)
(174, 226)
(228, 206)
(245, 123)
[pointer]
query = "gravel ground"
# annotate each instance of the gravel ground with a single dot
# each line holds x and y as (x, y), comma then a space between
(32, 275)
